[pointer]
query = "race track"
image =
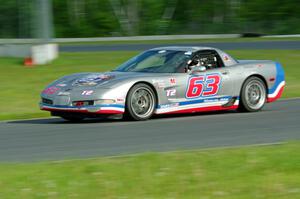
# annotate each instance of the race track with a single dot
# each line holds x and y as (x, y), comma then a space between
(55, 139)
(282, 45)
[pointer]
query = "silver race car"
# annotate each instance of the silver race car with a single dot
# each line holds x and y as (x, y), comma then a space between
(167, 80)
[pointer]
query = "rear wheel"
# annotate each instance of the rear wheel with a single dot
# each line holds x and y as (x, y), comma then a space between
(140, 102)
(253, 95)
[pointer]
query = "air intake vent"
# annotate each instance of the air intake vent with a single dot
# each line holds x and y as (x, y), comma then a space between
(47, 101)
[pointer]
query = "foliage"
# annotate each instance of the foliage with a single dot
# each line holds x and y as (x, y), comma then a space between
(95, 18)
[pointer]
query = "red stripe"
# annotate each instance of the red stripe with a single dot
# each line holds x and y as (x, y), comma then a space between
(272, 99)
(203, 109)
(83, 111)
(110, 112)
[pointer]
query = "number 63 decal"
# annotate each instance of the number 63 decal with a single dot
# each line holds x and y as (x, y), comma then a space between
(203, 86)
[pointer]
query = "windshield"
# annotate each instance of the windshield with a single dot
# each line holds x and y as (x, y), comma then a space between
(157, 61)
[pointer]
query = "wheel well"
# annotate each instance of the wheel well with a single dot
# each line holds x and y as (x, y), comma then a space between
(262, 78)
(151, 86)
(258, 76)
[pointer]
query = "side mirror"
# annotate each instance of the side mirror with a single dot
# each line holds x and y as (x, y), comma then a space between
(198, 69)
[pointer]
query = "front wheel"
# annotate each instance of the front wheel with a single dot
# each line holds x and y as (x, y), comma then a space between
(253, 95)
(140, 102)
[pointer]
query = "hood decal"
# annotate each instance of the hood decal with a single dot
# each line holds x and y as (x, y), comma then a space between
(93, 79)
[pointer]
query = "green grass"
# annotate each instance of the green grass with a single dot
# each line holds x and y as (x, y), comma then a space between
(269, 172)
(21, 86)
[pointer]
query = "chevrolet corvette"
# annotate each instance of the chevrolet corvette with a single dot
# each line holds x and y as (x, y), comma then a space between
(167, 80)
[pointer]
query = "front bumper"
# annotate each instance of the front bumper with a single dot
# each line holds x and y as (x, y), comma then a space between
(95, 109)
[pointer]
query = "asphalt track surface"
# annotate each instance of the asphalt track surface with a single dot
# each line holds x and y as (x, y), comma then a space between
(56, 139)
(283, 45)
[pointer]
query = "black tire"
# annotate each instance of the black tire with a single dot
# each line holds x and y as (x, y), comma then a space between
(72, 118)
(253, 95)
(140, 102)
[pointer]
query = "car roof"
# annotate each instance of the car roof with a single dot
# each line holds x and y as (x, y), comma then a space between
(184, 48)
(228, 62)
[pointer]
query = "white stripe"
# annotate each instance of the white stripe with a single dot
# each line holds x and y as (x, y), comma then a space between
(183, 107)
(237, 102)
(277, 90)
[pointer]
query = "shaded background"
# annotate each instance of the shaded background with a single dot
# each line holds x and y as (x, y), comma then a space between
(96, 18)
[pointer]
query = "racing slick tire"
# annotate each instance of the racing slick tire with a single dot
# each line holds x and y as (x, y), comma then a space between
(140, 102)
(253, 95)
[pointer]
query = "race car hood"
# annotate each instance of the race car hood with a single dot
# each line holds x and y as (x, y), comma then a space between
(98, 80)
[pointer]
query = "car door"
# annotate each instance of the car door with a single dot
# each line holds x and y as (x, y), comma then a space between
(213, 84)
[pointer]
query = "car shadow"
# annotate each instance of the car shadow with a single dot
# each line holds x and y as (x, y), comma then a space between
(62, 121)
(57, 120)
(183, 115)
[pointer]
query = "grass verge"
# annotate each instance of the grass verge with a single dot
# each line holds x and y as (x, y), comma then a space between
(21, 86)
(248, 172)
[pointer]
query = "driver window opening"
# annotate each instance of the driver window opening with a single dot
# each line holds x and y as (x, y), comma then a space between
(210, 59)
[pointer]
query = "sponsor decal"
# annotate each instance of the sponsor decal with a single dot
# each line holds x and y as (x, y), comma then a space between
(211, 100)
(215, 100)
(169, 105)
(171, 92)
(172, 81)
(63, 93)
(106, 77)
(61, 85)
(51, 90)
(203, 85)
(272, 79)
(89, 92)
(223, 99)
(92, 80)
(226, 57)
(159, 83)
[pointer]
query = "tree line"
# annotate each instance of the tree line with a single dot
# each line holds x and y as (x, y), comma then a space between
(96, 18)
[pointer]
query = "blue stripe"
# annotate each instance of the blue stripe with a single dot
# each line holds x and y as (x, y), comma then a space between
(95, 106)
(111, 105)
(199, 101)
(279, 78)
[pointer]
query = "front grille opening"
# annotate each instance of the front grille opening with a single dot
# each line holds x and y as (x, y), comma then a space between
(47, 101)
(83, 103)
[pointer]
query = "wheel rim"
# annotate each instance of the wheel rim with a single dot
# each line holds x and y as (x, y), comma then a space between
(255, 94)
(142, 102)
